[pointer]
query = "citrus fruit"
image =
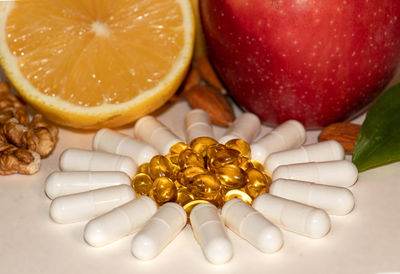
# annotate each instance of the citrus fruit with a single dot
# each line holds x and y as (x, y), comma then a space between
(200, 48)
(96, 63)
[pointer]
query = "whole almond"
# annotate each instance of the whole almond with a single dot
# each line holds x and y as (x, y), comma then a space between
(213, 102)
(192, 78)
(207, 72)
(345, 133)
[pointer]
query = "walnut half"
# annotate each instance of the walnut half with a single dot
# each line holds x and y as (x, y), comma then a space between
(22, 142)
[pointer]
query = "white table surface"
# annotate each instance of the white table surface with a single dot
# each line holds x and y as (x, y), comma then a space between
(365, 241)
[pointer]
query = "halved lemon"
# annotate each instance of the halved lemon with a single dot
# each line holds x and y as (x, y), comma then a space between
(96, 63)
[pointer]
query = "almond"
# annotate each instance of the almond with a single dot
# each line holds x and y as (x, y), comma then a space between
(192, 78)
(207, 72)
(213, 102)
(345, 133)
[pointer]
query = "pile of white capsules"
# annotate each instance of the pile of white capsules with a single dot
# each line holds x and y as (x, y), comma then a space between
(308, 183)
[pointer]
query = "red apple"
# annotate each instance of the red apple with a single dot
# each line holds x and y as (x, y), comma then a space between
(317, 61)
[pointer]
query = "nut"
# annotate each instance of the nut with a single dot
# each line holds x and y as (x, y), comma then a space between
(345, 133)
(22, 142)
(193, 78)
(213, 102)
(207, 72)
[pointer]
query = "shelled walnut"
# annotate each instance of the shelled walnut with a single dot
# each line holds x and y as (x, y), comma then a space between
(22, 142)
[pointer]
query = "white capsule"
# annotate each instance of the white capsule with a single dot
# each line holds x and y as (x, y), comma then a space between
(293, 216)
(319, 152)
(84, 160)
(245, 127)
(119, 222)
(152, 131)
(110, 141)
(159, 231)
(252, 226)
(334, 173)
(210, 233)
(197, 124)
(70, 182)
(86, 205)
(334, 200)
(290, 134)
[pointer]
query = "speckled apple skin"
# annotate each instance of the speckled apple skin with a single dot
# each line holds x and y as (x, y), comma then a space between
(311, 60)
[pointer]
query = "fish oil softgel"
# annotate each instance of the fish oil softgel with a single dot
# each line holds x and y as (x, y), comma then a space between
(204, 170)
(164, 190)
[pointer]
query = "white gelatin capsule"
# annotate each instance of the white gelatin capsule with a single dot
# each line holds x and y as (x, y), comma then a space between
(334, 200)
(159, 231)
(107, 140)
(86, 205)
(84, 160)
(252, 226)
(293, 216)
(290, 134)
(319, 152)
(335, 173)
(245, 127)
(210, 232)
(152, 131)
(70, 182)
(119, 222)
(197, 124)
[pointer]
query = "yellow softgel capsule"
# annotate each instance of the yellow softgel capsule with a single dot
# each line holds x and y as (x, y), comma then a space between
(189, 158)
(142, 184)
(173, 159)
(159, 166)
(143, 168)
(178, 148)
(245, 163)
(257, 183)
(212, 149)
(164, 190)
(239, 145)
(237, 193)
(187, 175)
(223, 157)
(231, 176)
(184, 196)
(175, 169)
(205, 187)
(200, 144)
(258, 165)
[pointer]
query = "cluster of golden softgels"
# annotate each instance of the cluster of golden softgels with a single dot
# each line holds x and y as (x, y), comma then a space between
(203, 172)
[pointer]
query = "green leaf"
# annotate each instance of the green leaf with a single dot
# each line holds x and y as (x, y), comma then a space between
(378, 142)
